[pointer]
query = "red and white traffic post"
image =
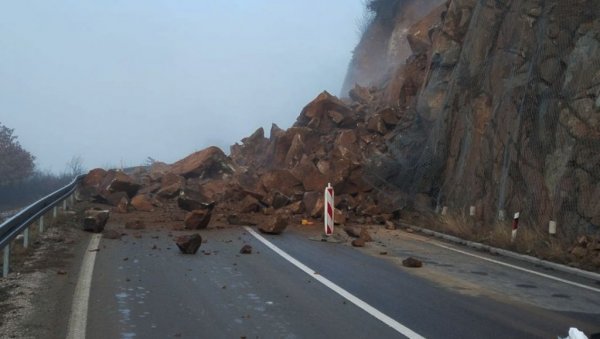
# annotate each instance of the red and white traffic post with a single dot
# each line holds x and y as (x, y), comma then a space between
(515, 226)
(328, 214)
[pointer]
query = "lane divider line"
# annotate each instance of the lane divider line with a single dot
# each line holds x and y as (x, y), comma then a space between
(547, 276)
(81, 297)
(337, 289)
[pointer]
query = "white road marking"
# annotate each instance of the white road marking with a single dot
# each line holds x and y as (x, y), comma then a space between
(568, 282)
(79, 309)
(337, 289)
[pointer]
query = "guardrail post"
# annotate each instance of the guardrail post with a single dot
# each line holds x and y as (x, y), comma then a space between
(26, 237)
(54, 212)
(72, 198)
(6, 258)
(64, 205)
(41, 224)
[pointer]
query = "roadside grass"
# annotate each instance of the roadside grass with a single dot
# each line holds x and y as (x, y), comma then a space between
(529, 240)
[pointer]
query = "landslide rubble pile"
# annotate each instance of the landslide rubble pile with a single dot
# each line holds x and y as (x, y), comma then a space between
(266, 181)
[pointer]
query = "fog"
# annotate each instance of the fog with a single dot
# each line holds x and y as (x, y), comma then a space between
(118, 81)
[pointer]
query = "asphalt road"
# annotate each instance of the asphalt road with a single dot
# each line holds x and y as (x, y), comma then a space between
(144, 288)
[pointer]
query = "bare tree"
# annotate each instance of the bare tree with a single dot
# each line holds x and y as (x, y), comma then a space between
(75, 166)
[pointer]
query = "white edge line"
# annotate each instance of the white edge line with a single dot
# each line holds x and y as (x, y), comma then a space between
(547, 276)
(347, 295)
(79, 308)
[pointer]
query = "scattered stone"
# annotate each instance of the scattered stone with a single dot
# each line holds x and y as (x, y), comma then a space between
(123, 205)
(275, 225)
(246, 249)
(197, 219)
(95, 220)
(358, 242)
(189, 244)
(389, 225)
(135, 225)
(364, 235)
(61, 272)
(412, 262)
(383, 253)
(111, 234)
(352, 231)
(234, 219)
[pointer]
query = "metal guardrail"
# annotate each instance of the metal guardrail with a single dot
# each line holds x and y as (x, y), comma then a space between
(20, 222)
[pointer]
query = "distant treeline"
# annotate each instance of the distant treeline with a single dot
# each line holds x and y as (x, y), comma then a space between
(26, 191)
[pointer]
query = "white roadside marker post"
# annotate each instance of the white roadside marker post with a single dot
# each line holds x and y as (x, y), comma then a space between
(26, 237)
(41, 225)
(472, 211)
(552, 227)
(328, 213)
(6, 261)
(515, 226)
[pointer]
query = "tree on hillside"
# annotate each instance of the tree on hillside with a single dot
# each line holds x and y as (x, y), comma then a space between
(15, 162)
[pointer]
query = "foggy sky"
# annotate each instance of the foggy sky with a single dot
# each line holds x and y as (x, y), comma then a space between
(119, 80)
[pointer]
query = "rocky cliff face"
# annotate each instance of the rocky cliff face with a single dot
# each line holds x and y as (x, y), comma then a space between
(501, 107)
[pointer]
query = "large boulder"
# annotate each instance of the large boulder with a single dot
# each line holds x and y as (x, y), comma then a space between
(170, 185)
(189, 244)
(316, 114)
(189, 200)
(275, 225)
(307, 173)
(95, 220)
(208, 163)
(123, 183)
(281, 180)
(143, 203)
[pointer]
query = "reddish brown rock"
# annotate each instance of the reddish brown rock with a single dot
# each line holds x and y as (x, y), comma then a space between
(316, 114)
(352, 231)
(189, 200)
(234, 219)
(307, 173)
(364, 234)
(123, 183)
(389, 225)
(412, 262)
(282, 181)
(95, 220)
(189, 244)
(142, 203)
(123, 205)
(135, 225)
(275, 225)
(314, 203)
(207, 163)
(114, 199)
(249, 205)
(277, 200)
(111, 234)
(169, 192)
(197, 219)
(246, 249)
(339, 218)
(358, 242)
(94, 177)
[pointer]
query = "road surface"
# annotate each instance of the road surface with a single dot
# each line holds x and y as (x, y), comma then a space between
(144, 288)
